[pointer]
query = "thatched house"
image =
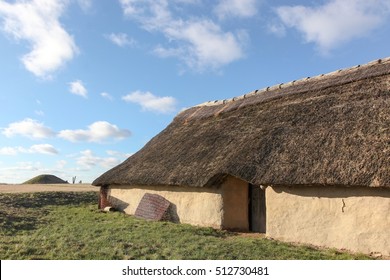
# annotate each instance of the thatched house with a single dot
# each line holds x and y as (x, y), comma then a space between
(307, 161)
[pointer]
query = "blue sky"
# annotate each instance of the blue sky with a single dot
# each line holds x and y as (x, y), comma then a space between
(86, 83)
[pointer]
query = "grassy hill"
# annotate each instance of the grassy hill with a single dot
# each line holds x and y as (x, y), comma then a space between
(45, 179)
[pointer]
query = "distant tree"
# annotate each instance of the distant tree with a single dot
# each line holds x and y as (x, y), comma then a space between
(74, 179)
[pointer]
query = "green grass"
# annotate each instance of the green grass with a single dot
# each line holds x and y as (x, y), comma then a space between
(68, 226)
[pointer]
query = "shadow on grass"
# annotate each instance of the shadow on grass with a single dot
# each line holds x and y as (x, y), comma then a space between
(214, 232)
(43, 199)
(13, 222)
(20, 212)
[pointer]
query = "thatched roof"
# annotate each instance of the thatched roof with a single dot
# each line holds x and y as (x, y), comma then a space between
(332, 129)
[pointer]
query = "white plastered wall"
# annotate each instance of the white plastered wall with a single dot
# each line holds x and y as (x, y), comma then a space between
(353, 218)
(196, 206)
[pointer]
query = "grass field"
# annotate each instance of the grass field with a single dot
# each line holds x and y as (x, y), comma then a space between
(67, 225)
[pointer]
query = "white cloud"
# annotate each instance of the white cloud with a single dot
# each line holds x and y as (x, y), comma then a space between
(129, 7)
(23, 171)
(88, 160)
(188, 1)
(34, 149)
(43, 149)
(106, 96)
(150, 102)
(277, 29)
(20, 172)
(29, 128)
(9, 151)
(85, 5)
(121, 39)
(109, 162)
(61, 164)
(118, 154)
(78, 88)
(200, 43)
(336, 22)
(99, 131)
(37, 22)
(39, 113)
(236, 8)
(25, 166)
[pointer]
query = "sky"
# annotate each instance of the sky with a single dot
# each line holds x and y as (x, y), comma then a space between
(84, 84)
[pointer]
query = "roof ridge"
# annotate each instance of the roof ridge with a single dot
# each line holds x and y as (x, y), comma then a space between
(295, 82)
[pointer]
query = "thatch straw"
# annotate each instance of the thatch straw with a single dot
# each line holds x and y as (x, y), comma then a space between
(328, 130)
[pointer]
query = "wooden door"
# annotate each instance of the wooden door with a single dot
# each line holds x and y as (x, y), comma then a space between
(257, 209)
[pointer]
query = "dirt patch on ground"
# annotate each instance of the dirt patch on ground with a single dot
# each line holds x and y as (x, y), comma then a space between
(47, 188)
